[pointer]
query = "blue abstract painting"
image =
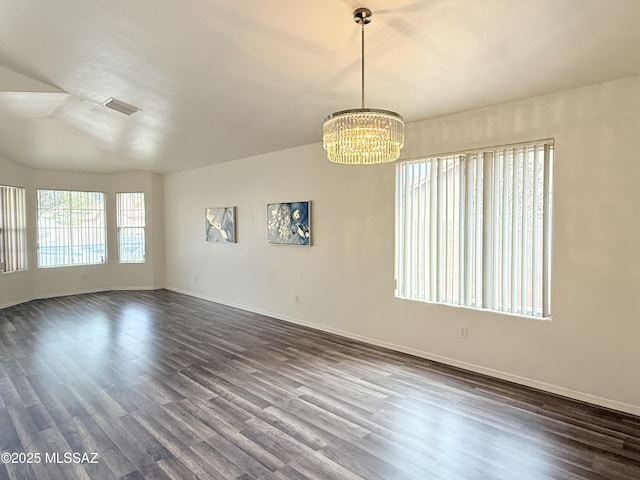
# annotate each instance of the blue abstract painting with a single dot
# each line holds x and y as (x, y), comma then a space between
(289, 223)
(220, 224)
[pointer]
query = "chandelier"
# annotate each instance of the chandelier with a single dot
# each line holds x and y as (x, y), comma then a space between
(363, 136)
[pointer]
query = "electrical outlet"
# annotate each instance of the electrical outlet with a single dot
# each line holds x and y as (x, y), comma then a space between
(297, 299)
(463, 332)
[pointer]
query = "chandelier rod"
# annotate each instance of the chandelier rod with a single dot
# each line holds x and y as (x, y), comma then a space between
(362, 67)
(362, 16)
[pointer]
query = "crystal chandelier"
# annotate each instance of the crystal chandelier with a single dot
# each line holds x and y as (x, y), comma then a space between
(363, 135)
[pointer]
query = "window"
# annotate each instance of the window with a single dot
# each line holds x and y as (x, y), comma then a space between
(71, 228)
(474, 229)
(131, 227)
(13, 237)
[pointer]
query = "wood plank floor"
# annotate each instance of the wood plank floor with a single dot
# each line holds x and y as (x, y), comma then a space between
(161, 385)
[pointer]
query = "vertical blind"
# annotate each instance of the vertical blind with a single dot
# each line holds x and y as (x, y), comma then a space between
(13, 237)
(474, 229)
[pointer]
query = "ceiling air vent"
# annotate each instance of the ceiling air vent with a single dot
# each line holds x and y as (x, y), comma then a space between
(119, 106)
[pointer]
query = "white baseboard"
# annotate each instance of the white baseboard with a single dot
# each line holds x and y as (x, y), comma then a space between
(76, 292)
(145, 288)
(528, 382)
(15, 302)
(66, 294)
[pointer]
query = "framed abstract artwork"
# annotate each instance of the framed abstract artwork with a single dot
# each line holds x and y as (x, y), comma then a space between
(289, 223)
(220, 224)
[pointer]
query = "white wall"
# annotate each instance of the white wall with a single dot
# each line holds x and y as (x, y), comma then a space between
(17, 287)
(345, 281)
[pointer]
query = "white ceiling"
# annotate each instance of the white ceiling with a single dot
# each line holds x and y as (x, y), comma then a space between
(218, 80)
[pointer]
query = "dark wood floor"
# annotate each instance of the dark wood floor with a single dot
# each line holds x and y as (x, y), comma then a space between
(161, 385)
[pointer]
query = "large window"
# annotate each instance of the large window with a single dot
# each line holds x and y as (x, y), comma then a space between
(474, 229)
(13, 238)
(131, 227)
(71, 228)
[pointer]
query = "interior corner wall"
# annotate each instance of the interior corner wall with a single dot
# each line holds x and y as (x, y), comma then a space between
(345, 281)
(135, 276)
(17, 287)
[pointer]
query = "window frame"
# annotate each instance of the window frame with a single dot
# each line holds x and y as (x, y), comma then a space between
(120, 228)
(416, 265)
(70, 249)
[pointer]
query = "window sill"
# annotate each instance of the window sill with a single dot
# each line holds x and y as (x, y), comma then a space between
(14, 271)
(483, 310)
